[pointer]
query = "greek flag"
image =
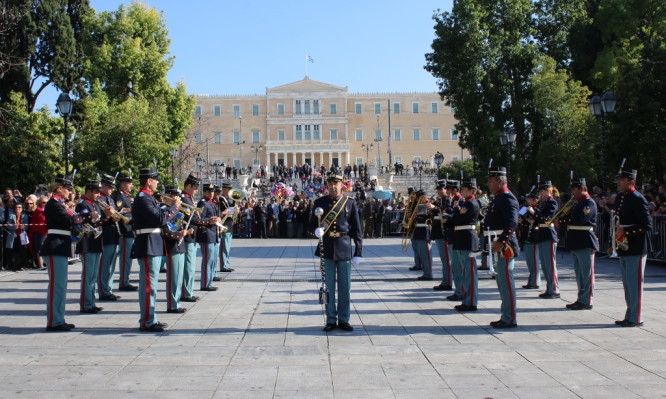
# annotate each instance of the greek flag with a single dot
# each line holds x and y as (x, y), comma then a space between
(308, 58)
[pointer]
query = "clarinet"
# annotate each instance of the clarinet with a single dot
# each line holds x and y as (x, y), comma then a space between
(323, 290)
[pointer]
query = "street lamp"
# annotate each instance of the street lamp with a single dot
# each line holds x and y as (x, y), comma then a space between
(216, 167)
(419, 165)
(367, 149)
(240, 151)
(379, 154)
(439, 159)
(256, 150)
(200, 165)
(64, 106)
(601, 107)
(507, 138)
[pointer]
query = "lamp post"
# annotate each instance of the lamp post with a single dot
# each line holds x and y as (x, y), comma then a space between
(600, 107)
(201, 161)
(367, 149)
(439, 160)
(507, 138)
(216, 167)
(240, 152)
(256, 150)
(64, 106)
(419, 165)
(174, 154)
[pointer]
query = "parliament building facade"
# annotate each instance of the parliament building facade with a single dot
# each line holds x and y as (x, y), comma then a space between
(322, 124)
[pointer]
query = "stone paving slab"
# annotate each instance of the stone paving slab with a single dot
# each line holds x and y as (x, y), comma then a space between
(260, 336)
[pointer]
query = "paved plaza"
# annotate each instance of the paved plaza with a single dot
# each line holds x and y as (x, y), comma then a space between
(260, 336)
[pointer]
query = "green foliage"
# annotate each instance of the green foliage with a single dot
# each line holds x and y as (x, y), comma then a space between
(30, 144)
(453, 170)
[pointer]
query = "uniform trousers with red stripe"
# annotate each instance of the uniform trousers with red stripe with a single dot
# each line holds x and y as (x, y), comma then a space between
(175, 265)
(189, 269)
(126, 244)
(57, 290)
(209, 257)
(546, 250)
(583, 264)
(633, 274)
(532, 260)
(470, 285)
(445, 258)
(507, 289)
(149, 271)
(90, 267)
(422, 250)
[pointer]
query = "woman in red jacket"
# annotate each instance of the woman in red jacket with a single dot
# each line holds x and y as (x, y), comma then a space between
(37, 231)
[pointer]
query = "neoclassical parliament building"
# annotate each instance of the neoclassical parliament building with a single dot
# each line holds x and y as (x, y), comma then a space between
(318, 123)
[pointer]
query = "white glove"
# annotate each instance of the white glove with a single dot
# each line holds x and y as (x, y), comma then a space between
(356, 260)
(319, 232)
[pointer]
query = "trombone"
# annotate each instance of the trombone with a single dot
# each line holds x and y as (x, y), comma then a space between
(115, 216)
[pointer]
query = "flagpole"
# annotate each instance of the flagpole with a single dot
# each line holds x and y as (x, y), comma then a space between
(306, 63)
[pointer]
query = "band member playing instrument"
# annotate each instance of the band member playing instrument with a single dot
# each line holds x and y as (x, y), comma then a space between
(90, 247)
(56, 250)
(124, 204)
(439, 237)
(175, 255)
(453, 188)
(189, 269)
(409, 208)
(337, 230)
(632, 233)
(466, 243)
(149, 222)
(110, 239)
(529, 242)
(208, 238)
(501, 220)
(227, 207)
(421, 236)
(581, 242)
(547, 239)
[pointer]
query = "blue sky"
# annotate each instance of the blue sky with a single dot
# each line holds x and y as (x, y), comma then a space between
(243, 47)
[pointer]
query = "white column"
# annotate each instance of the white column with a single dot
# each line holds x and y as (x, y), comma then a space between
(330, 158)
(348, 157)
(293, 158)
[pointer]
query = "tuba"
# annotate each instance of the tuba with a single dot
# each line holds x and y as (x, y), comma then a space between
(410, 227)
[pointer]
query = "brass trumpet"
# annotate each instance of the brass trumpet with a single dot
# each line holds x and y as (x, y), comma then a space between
(115, 216)
(184, 207)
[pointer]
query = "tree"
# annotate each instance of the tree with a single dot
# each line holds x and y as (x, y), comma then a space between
(453, 169)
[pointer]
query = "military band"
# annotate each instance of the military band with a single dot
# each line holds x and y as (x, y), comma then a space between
(529, 229)
(546, 239)
(453, 189)
(207, 237)
(110, 239)
(227, 208)
(89, 247)
(439, 237)
(124, 205)
(190, 265)
(174, 248)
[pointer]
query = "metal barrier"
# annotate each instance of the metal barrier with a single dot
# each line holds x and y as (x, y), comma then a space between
(657, 236)
(393, 222)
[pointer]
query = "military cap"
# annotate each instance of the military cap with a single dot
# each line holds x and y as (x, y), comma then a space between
(208, 187)
(497, 171)
(108, 180)
(628, 173)
(546, 185)
(452, 184)
(93, 185)
(420, 193)
(226, 184)
(578, 182)
(533, 193)
(192, 180)
(468, 182)
(440, 184)
(217, 188)
(173, 190)
(410, 190)
(125, 179)
(333, 177)
(65, 181)
(149, 173)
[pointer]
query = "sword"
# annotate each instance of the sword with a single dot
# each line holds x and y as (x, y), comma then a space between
(323, 290)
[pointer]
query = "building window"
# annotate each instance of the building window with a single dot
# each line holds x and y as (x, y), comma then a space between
(397, 135)
(435, 134)
(281, 135)
(359, 134)
(315, 107)
(197, 110)
(237, 163)
(307, 107)
(435, 108)
(334, 109)
(315, 134)
(308, 136)
(358, 108)
(334, 134)
(255, 136)
(396, 108)
(415, 108)
(416, 159)
(359, 160)
(217, 110)
(454, 134)
(454, 158)
(236, 110)
(255, 109)
(236, 137)
(299, 132)
(298, 107)
(378, 108)
(280, 109)
(417, 134)
(453, 110)
(255, 161)
(217, 137)
(398, 160)
(378, 134)
(198, 137)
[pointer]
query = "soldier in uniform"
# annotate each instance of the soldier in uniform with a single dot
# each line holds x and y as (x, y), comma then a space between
(466, 243)
(501, 221)
(379, 212)
(421, 238)
(189, 268)
(453, 189)
(632, 232)
(530, 229)
(124, 204)
(149, 222)
(411, 205)
(56, 250)
(337, 231)
(208, 238)
(217, 192)
(581, 242)
(547, 239)
(227, 207)
(437, 235)
(110, 239)
(174, 246)
(89, 247)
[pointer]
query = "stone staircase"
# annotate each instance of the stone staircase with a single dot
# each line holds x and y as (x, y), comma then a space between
(401, 183)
